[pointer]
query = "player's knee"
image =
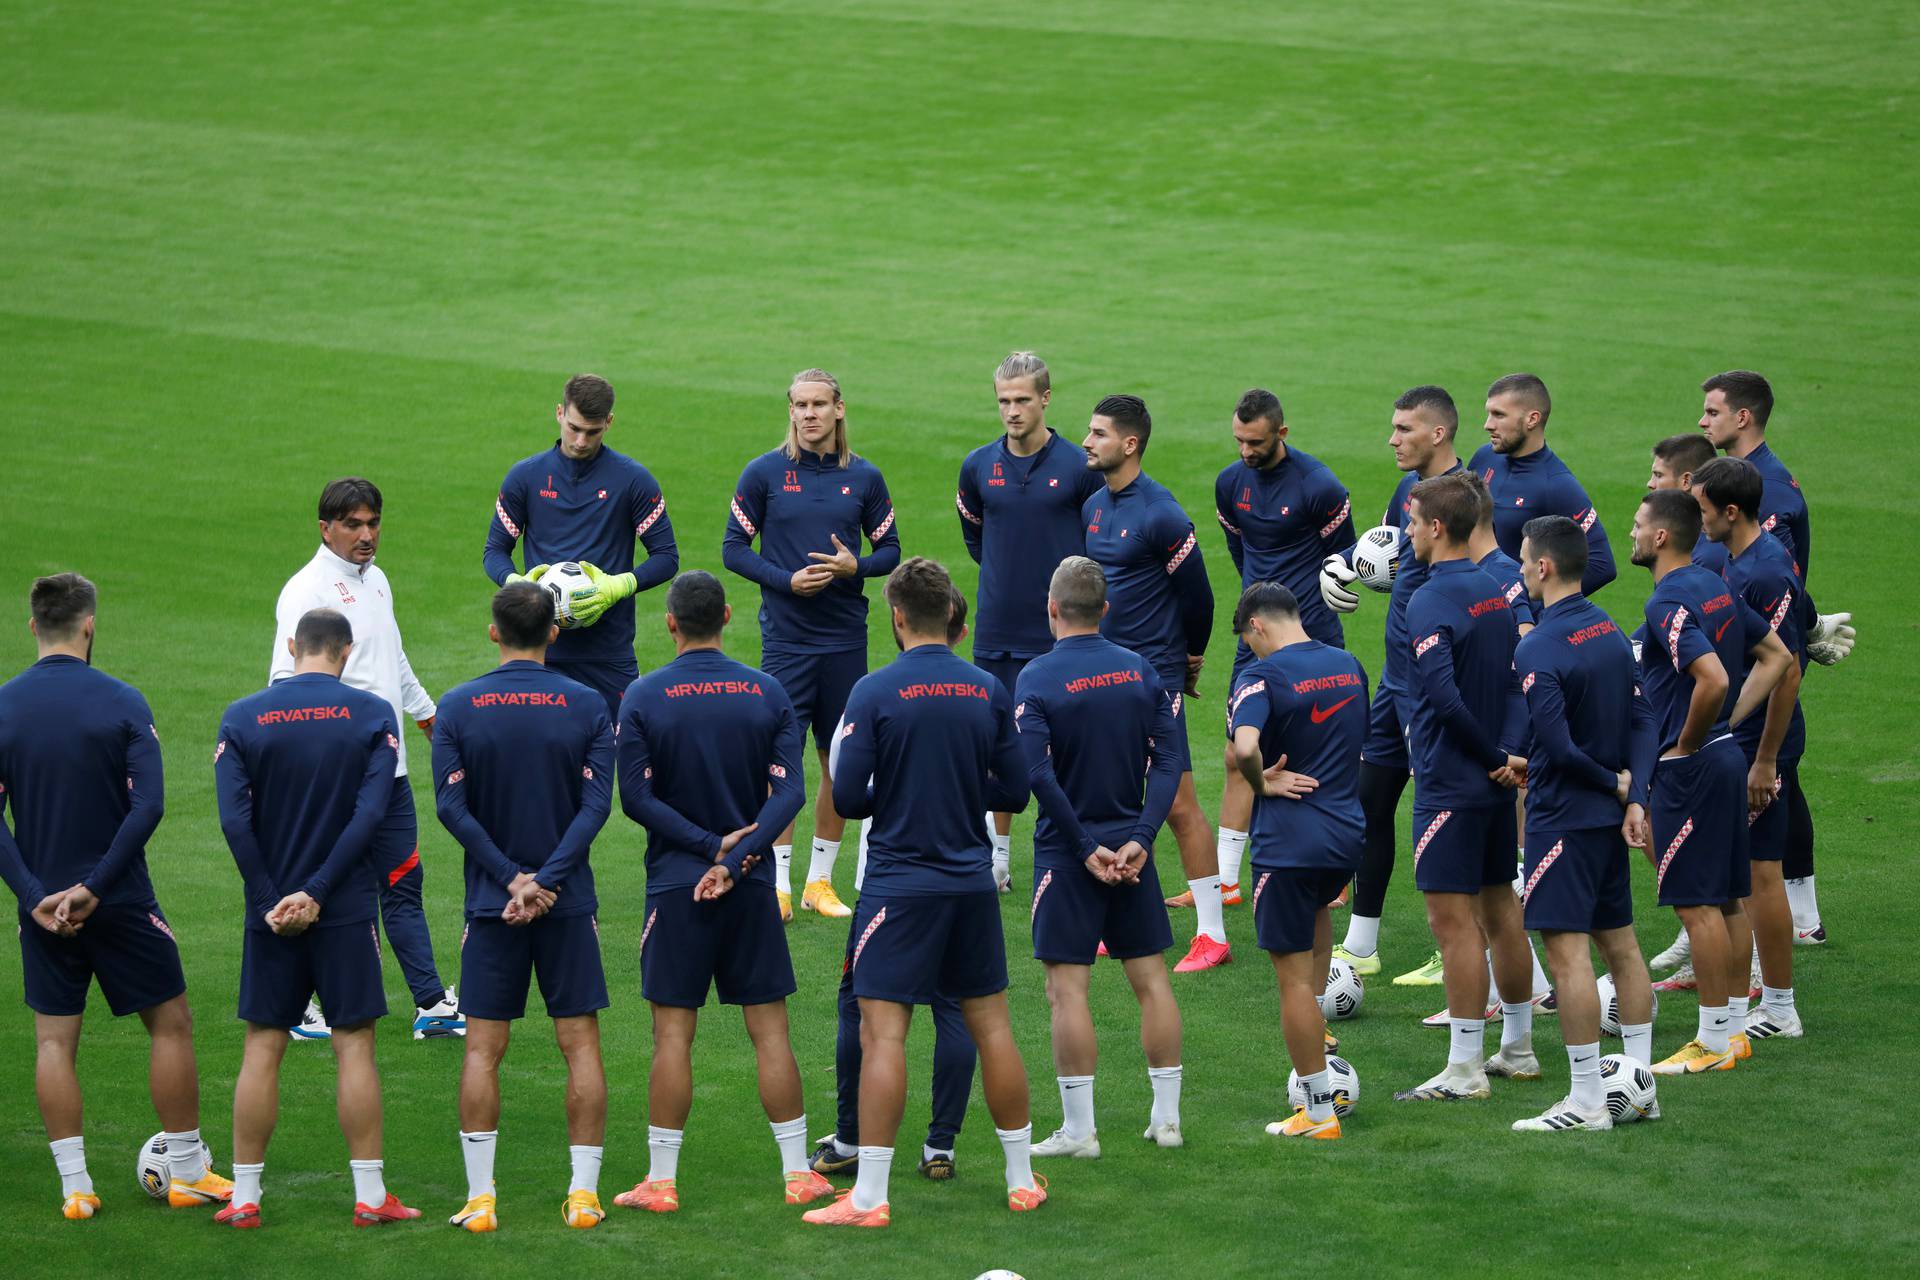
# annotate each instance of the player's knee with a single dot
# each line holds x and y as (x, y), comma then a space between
(171, 1020)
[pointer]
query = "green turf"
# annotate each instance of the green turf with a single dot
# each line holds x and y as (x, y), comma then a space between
(249, 248)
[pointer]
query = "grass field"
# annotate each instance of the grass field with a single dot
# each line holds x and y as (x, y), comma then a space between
(250, 248)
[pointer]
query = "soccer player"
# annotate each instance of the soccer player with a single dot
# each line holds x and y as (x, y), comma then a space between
(1284, 512)
(1587, 776)
(1760, 570)
(1019, 502)
(710, 766)
(1734, 417)
(1160, 606)
(523, 779)
(80, 766)
(1695, 633)
(303, 771)
(953, 1053)
(1466, 720)
(1091, 717)
(584, 502)
(929, 747)
(1424, 424)
(809, 502)
(1527, 479)
(343, 577)
(1298, 716)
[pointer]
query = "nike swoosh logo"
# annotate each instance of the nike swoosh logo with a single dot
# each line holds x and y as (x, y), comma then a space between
(1318, 715)
(1722, 631)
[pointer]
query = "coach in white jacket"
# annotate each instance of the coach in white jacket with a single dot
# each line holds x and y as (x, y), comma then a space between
(343, 576)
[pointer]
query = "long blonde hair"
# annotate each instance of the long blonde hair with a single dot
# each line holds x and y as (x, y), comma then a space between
(840, 447)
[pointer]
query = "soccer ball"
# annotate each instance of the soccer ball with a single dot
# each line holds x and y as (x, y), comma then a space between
(1346, 1085)
(155, 1175)
(562, 582)
(999, 1273)
(1344, 992)
(1610, 1006)
(1629, 1086)
(1376, 556)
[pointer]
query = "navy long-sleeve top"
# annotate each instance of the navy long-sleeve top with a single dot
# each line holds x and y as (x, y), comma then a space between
(1309, 702)
(1692, 612)
(1020, 517)
(1763, 575)
(1588, 715)
(1396, 671)
(1540, 484)
(1281, 523)
(1159, 603)
(1467, 709)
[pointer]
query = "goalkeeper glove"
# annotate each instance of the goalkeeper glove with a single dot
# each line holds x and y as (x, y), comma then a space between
(1831, 638)
(1336, 579)
(531, 575)
(608, 590)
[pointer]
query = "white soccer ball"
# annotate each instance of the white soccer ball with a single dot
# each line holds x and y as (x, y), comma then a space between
(1345, 1081)
(561, 582)
(1610, 1006)
(999, 1273)
(1629, 1086)
(1344, 992)
(155, 1175)
(1376, 556)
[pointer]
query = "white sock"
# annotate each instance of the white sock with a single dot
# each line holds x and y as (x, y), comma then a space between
(70, 1158)
(246, 1183)
(1636, 1041)
(1319, 1090)
(1363, 935)
(1540, 984)
(1803, 903)
(1076, 1106)
(477, 1149)
(1166, 1094)
(1737, 1014)
(1516, 1023)
(1206, 904)
(369, 1182)
(586, 1168)
(842, 1150)
(1002, 853)
(783, 868)
(791, 1137)
(928, 1153)
(185, 1160)
(1018, 1146)
(1777, 1000)
(820, 865)
(1231, 848)
(870, 1185)
(1584, 1062)
(1716, 1028)
(1469, 1040)
(663, 1153)
(860, 863)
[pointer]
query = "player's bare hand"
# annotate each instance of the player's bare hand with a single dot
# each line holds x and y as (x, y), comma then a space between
(293, 914)
(1622, 784)
(1195, 661)
(715, 884)
(1278, 780)
(1634, 829)
(46, 914)
(841, 564)
(1103, 865)
(732, 839)
(1511, 774)
(1133, 857)
(1763, 783)
(810, 581)
(76, 904)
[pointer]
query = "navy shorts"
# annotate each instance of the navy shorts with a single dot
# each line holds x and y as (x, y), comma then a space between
(1073, 913)
(911, 947)
(817, 684)
(608, 679)
(499, 960)
(1386, 741)
(1463, 850)
(128, 950)
(1287, 902)
(736, 944)
(340, 964)
(1577, 881)
(1767, 830)
(1699, 821)
(1002, 668)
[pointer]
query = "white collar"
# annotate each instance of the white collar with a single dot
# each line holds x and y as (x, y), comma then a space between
(325, 558)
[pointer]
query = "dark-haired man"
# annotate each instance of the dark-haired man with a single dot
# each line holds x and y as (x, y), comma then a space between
(1284, 513)
(1527, 479)
(809, 502)
(1761, 571)
(303, 770)
(1587, 776)
(1160, 606)
(710, 766)
(1019, 503)
(1695, 634)
(80, 767)
(342, 576)
(928, 748)
(584, 502)
(1091, 717)
(523, 779)
(1298, 716)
